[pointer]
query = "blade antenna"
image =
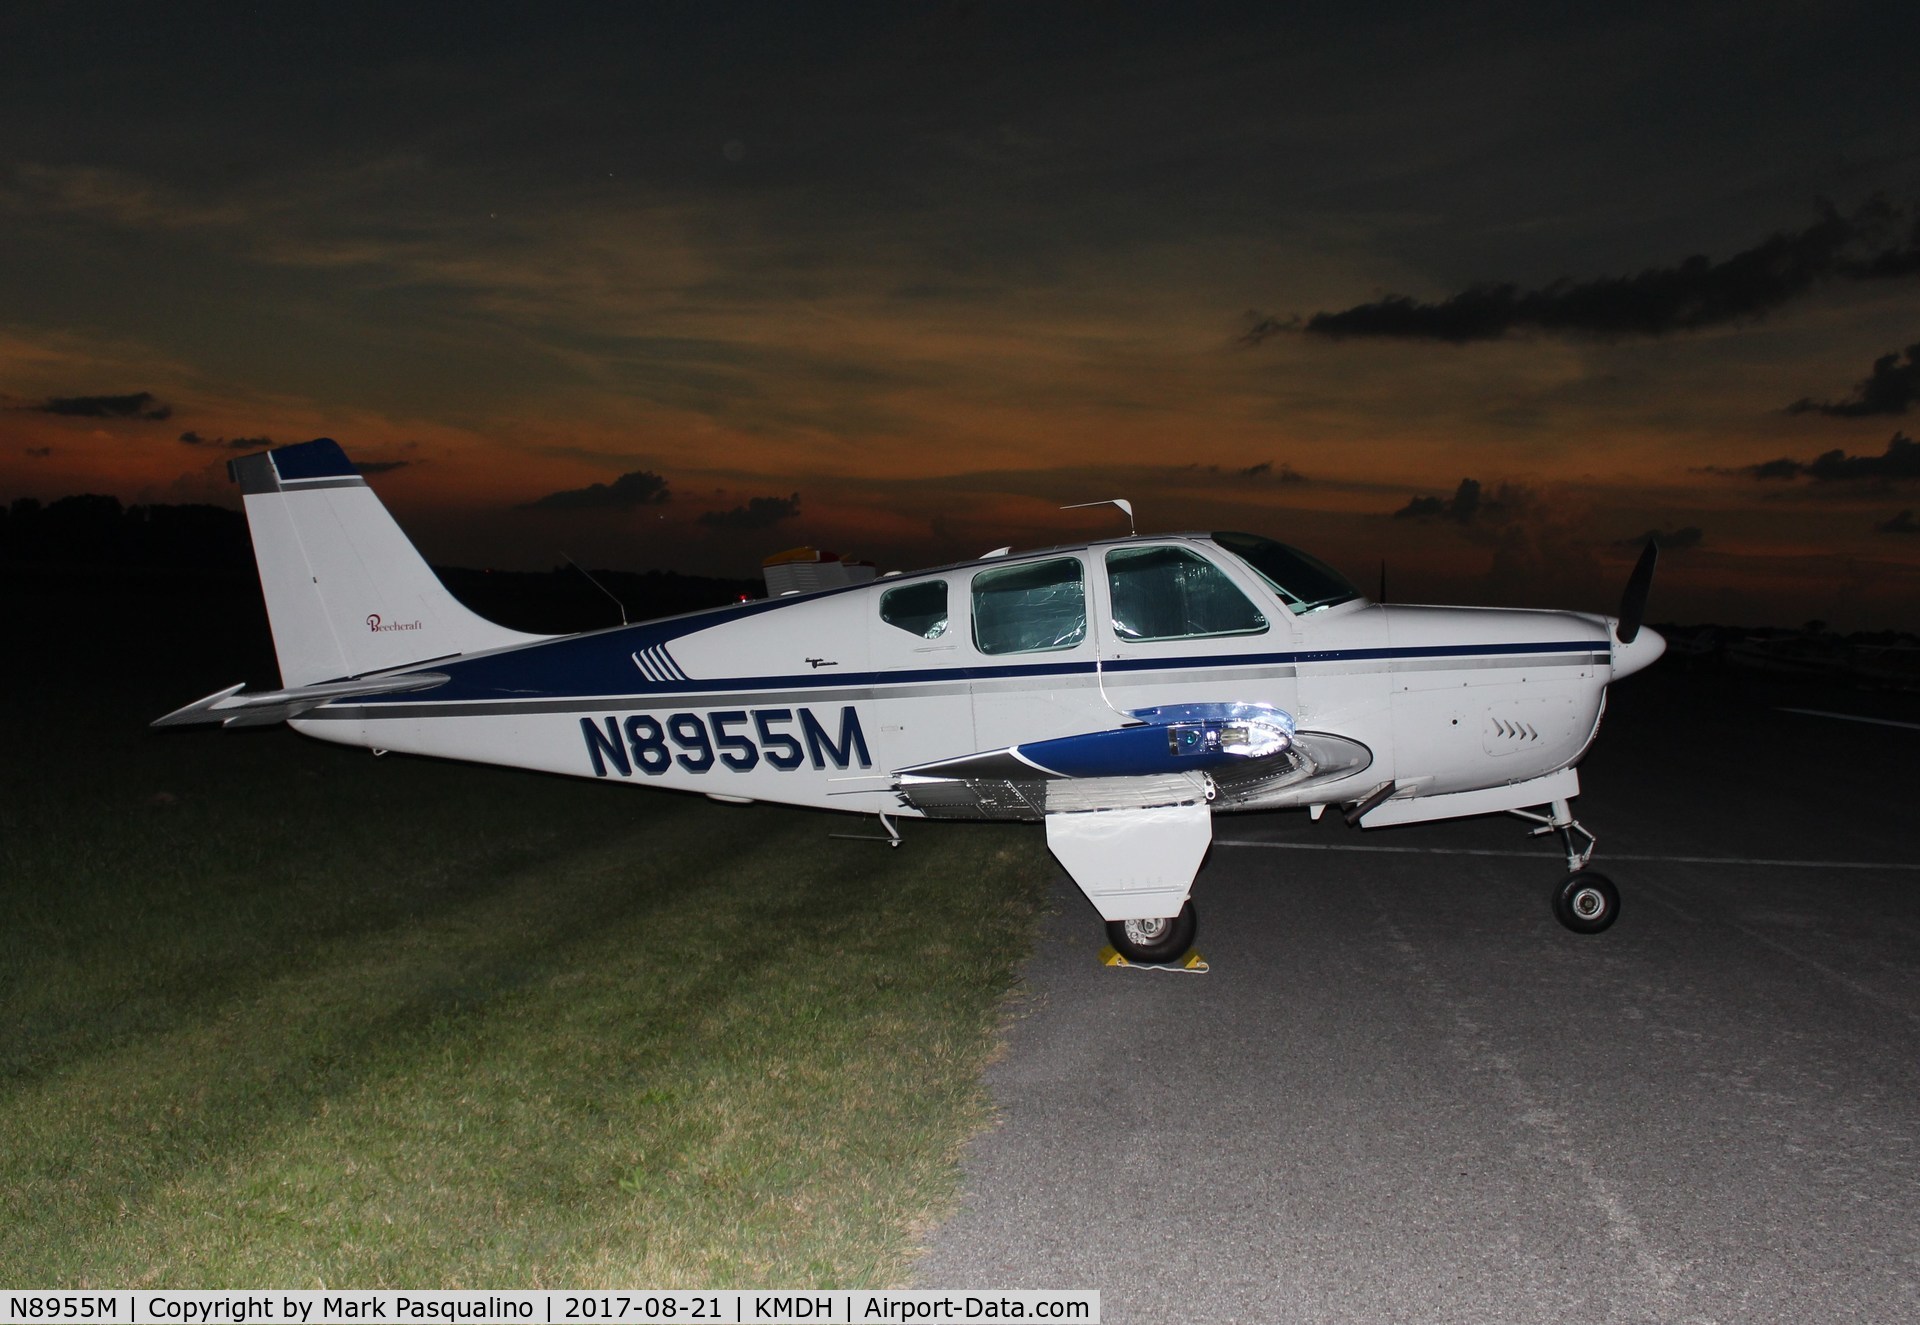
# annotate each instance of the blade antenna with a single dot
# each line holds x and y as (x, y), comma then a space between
(1121, 502)
(601, 587)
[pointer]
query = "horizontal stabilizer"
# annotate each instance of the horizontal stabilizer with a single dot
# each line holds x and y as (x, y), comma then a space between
(263, 708)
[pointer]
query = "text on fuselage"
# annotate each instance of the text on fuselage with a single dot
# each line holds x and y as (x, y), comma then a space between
(736, 739)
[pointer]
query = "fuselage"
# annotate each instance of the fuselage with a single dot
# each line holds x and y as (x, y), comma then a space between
(821, 699)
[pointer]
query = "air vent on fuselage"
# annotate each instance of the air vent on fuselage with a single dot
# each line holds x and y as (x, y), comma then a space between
(1528, 725)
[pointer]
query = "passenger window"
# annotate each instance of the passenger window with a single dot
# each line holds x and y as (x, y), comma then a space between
(1027, 609)
(918, 609)
(1171, 593)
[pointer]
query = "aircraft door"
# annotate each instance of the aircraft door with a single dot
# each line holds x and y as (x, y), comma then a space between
(1031, 653)
(1177, 627)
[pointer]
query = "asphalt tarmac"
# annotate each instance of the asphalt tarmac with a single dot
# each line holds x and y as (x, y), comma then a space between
(1404, 1093)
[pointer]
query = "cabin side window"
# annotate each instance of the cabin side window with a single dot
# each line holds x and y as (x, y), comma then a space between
(1030, 609)
(1162, 593)
(918, 609)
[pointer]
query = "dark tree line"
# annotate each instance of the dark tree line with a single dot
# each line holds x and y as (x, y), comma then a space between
(93, 530)
(96, 532)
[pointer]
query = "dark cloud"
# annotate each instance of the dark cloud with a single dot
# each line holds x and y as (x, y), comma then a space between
(1462, 507)
(758, 513)
(228, 443)
(1903, 523)
(1265, 469)
(1261, 326)
(1774, 469)
(1540, 549)
(41, 451)
(1698, 292)
(642, 487)
(1670, 540)
(1888, 389)
(1901, 460)
(137, 405)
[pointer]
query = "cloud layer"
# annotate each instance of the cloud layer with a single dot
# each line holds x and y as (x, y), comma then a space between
(758, 513)
(228, 443)
(1889, 389)
(640, 488)
(1876, 242)
(1468, 505)
(1901, 460)
(140, 405)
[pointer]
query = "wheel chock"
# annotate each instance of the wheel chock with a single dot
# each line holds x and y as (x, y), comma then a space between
(1192, 962)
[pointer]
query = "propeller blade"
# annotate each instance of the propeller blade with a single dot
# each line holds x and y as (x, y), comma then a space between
(1633, 603)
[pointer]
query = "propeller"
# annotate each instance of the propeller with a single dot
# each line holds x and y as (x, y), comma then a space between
(1633, 603)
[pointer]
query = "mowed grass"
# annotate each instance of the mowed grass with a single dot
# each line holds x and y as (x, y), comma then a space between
(278, 1013)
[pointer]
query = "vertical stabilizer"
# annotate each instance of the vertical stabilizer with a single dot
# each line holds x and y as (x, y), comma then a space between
(347, 593)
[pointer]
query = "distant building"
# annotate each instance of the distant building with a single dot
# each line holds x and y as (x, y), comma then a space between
(808, 570)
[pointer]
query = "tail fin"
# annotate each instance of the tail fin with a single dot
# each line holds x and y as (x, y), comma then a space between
(347, 593)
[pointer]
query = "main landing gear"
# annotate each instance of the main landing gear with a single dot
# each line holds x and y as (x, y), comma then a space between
(1586, 901)
(1151, 942)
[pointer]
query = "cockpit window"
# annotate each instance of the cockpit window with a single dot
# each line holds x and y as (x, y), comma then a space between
(918, 609)
(1162, 593)
(1027, 609)
(1304, 583)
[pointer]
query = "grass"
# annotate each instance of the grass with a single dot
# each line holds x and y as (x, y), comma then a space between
(274, 1013)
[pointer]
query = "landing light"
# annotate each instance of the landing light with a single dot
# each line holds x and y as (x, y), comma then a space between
(1254, 740)
(1244, 740)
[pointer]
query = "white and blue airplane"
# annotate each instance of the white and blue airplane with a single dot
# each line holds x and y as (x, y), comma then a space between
(1121, 691)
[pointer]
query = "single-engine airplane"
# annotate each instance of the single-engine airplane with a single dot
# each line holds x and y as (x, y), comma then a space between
(1121, 691)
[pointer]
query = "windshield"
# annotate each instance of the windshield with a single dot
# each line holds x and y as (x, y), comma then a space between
(1304, 583)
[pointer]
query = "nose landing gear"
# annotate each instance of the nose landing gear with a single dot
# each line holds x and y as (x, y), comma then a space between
(1585, 902)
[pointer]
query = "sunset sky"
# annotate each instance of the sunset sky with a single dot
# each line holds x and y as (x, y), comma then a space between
(1486, 292)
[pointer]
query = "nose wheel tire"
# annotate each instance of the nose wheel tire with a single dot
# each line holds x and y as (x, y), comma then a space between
(1586, 903)
(1164, 939)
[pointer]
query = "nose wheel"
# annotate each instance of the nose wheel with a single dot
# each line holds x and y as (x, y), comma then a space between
(1586, 902)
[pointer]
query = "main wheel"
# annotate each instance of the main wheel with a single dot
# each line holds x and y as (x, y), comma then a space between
(1586, 903)
(1165, 939)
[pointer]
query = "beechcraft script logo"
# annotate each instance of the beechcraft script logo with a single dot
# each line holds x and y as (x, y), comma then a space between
(379, 626)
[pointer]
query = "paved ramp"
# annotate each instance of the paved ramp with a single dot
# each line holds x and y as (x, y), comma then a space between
(1405, 1093)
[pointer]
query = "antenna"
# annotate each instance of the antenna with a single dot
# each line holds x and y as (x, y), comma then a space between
(601, 587)
(1121, 502)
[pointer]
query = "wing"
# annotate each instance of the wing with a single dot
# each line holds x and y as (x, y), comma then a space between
(1231, 756)
(1129, 812)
